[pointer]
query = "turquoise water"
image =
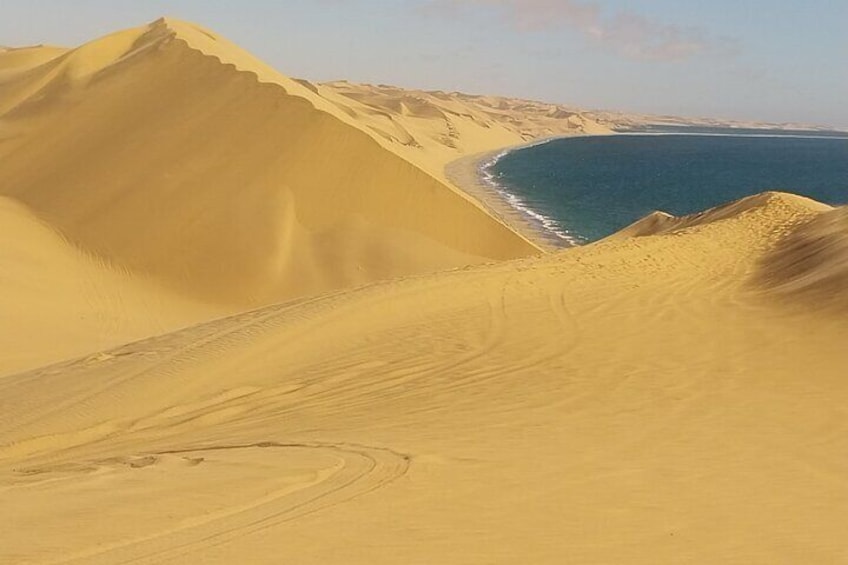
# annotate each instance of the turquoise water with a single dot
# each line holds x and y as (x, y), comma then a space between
(583, 189)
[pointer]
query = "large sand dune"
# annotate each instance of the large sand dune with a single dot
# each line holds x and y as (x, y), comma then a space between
(170, 154)
(220, 177)
(673, 394)
(58, 302)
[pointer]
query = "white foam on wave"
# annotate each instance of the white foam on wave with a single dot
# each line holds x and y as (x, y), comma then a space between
(546, 223)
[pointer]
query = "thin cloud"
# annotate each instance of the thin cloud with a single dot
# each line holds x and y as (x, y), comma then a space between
(627, 34)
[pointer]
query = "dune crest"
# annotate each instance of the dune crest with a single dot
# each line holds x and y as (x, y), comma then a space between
(269, 190)
(175, 156)
(811, 263)
(770, 206)
(432, 128)
(14, 60)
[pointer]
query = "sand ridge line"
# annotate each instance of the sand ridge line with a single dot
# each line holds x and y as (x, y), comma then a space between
(252, 220)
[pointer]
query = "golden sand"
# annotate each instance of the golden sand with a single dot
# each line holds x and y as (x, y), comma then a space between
(672, 394)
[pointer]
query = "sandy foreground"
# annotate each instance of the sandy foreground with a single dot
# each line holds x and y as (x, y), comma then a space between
(430, 388)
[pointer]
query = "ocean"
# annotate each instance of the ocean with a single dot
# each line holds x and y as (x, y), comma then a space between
(584, 188)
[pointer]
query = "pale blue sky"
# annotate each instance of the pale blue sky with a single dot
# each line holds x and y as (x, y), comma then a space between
(780, 60)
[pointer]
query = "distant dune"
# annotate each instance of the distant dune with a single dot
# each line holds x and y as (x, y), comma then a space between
(660, 222)
(248, 319)
(436, 127)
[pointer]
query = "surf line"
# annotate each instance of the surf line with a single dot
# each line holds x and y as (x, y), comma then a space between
(487, 176)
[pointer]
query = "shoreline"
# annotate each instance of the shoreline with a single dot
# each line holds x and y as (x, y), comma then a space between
(465, 174)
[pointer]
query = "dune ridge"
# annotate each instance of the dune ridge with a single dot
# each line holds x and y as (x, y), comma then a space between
(151, 51)
(434, 128)
(659, 222)
(167, 152)
(218, 179)
(811, 263)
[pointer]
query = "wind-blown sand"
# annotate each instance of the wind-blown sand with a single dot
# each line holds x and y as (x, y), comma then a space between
(673, 394)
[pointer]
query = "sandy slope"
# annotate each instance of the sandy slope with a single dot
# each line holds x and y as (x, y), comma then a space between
(59, 302)
(218, 176)
(434, 128)
(14, 61)
(170, 155)
(672, 394)
(639, 400)
(812, 263)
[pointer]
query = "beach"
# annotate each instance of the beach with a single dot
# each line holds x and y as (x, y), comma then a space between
(467, 173)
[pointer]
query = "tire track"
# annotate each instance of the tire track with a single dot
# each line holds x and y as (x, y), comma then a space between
(363, 470)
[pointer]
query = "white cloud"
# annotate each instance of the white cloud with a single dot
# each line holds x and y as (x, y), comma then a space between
(627, 34)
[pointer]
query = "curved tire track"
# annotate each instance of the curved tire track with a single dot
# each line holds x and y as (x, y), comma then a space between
(363, 469)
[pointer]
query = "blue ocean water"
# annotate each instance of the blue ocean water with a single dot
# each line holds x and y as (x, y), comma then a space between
(583, 189)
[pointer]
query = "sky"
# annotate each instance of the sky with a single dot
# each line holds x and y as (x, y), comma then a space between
(768, 60)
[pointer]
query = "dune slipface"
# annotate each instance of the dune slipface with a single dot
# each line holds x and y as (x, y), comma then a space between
(171, 155)
(175, 154)
(57, 301)
(811, 262)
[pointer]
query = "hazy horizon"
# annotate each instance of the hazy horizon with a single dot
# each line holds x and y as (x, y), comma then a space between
(754, 60)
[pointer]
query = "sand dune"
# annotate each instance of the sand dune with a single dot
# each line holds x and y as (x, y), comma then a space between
(635, 401)
(666, 395)
(58, 302)
(218, 176)
(812, 263)
(19, 60)
(660, 222)
(434, 128)
(176, 157)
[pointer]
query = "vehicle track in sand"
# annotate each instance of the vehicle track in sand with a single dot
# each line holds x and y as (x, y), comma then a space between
(346, 471)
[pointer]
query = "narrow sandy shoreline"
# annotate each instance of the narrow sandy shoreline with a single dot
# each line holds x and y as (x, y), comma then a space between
(465, 174)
